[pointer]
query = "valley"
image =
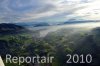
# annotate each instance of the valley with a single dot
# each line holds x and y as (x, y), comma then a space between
(57, 41)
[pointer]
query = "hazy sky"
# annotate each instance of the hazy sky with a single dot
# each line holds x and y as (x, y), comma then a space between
(48, 10)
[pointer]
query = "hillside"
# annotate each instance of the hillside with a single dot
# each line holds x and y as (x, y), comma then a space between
(11, 29)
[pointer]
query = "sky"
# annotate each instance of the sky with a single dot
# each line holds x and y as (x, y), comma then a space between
(12, 11)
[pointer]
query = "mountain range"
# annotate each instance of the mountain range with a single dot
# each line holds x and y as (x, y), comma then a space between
(39, 24)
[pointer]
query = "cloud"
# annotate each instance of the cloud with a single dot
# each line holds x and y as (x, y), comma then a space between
(92, 11)
(57, 7)
(46, 10)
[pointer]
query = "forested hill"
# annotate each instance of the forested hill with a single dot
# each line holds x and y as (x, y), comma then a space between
(7, 28)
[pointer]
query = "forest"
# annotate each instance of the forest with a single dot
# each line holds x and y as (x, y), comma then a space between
(19, 41)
